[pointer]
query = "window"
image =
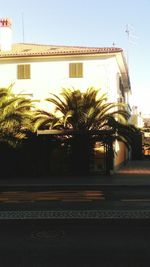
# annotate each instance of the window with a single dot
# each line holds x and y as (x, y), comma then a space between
(121, 86)
(75, 70)
(23, 71)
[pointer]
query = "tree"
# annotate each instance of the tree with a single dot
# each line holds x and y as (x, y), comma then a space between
(86, 114)
(16, 113)
(81, 111)
(131, 136)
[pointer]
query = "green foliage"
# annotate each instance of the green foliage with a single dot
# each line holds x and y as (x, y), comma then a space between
(81, 111)
(91, 118)
(44, 120)
(125, 132)
(85, 112)
(16, 113)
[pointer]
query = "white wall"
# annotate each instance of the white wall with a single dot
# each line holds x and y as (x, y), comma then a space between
(51, 76)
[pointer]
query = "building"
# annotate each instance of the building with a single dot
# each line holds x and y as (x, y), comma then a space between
(146, 134)
(42, 69)
(137, 117)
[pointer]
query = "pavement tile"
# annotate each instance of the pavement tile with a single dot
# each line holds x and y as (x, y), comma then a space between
(75, 214)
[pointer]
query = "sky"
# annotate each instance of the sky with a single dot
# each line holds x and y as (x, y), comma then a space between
(96, 23)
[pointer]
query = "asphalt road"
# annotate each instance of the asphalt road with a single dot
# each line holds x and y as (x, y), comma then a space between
(74, 243)
(76, 193)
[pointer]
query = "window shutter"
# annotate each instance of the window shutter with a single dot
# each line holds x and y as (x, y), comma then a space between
(79, 70)
(23, 71)
(76, 70)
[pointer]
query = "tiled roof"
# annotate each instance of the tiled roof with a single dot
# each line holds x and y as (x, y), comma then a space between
(33, 50)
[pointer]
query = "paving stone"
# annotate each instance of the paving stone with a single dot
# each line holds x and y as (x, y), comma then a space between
(75, 214)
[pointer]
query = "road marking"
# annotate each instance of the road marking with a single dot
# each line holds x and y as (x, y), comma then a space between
(24, 196)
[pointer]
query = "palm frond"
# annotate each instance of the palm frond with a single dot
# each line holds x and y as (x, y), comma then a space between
(16, 113)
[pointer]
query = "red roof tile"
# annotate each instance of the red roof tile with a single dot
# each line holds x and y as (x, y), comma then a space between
(33, 50)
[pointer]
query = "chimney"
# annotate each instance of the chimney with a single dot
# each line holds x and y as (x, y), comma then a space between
(5, 34)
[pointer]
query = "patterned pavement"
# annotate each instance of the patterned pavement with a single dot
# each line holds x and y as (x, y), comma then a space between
(75, 214)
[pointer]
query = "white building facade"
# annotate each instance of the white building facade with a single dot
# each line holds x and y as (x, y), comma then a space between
(43, 69)
(39, 70)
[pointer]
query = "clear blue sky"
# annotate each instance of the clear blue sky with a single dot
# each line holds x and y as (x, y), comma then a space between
(89, 23)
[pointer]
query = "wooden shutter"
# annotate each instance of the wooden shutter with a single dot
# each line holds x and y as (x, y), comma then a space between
(23, 71)
(76, 70)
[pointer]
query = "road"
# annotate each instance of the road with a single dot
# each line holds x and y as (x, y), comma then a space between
(44, 243)
(92, 227)
(75, 193)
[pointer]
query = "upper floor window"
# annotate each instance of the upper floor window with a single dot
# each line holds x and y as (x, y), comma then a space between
(75, 70)
(23, 71)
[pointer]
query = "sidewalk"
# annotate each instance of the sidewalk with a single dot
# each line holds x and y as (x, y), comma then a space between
(130, 183)
(136, 167)
(133, 173)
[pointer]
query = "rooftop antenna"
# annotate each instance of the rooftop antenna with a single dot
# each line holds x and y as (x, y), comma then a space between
(130, 39)
(127, 31)
(22, 18)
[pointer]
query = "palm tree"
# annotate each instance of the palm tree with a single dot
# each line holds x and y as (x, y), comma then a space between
(79, 111)
(87, 115)
(131, 136)
(16, 112)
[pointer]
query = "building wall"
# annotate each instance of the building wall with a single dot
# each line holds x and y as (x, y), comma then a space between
(121, 154)
(50, 76)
